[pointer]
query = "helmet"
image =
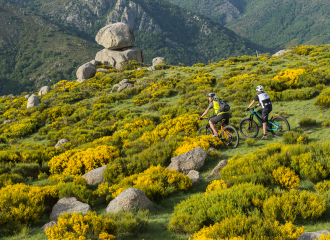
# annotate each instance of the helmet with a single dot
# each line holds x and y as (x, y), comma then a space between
(212, 95)
(260, 88)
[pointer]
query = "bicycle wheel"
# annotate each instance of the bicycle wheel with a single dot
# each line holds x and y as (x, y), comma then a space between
(230, 137)
(205, 131)
(248, 128)
(282, 124)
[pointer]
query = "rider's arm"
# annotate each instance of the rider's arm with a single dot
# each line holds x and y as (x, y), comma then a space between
(251, 103)
(206, 111)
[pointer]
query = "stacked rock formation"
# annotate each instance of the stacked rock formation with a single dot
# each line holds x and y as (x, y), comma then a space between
(117, 39)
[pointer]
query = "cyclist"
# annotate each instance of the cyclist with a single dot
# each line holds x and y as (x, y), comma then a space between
(266, 105)
(219, 116)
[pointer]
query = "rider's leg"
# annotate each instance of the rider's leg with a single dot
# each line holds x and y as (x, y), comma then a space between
(215, 131)
(264, 125)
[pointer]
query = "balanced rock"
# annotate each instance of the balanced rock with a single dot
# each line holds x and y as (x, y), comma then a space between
(68, 205)
(60, 143)
(195, 176)
(157, 61)
(8, 121)
(124, 86)
(114, 58)
(48, 225)
(115, 36)
(85, 72)
(95, 177)
(313, 235)
(216, 171)
(129, 200)
(33, 101)
(44, 90)
(188, 161)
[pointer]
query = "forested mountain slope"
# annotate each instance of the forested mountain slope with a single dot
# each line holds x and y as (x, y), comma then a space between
(274, 24)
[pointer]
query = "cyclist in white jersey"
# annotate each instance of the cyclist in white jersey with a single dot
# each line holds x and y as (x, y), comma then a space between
(266, 105)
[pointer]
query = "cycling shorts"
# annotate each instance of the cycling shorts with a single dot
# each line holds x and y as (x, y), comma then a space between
(264, 112)
(219, 118)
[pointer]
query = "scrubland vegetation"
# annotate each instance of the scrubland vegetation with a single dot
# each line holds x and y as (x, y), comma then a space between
(269, 190)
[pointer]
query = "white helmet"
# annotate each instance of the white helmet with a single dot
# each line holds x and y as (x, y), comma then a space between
(260, 88)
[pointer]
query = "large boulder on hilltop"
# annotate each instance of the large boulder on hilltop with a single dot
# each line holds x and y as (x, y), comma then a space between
(188, 161)
(68, 205)
(313, 235)
(216, 171)
(95, 177)
(85, 72)
(129, 200)
(44, 90)
(115, 57)
(115, 36)
(33, 101)
(157, 61)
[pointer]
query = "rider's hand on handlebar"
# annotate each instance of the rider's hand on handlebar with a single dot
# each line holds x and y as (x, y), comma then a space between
(248, 109)
(200, 118)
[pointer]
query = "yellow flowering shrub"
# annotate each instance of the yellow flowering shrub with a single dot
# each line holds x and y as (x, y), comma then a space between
(21, 128)
(67, 85)
(76, 226)
(286, 177)
(23, 205)
(79, 161)
(289, 77)
(324, 237)
(10, 179)
(215, 186)
(141, 73)
(156, 182)
(204, 141)
(323, 100)
(186, 123)
(322, 187)
(295, 205)
(249, 228)
(303, 50)
(137, 124)
(60, 178)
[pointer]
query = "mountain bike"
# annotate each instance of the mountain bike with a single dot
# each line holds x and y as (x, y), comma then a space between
(228, 134)
(249, 128)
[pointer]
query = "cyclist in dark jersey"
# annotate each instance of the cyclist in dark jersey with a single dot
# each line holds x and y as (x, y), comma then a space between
(219, 116)
(266, 105)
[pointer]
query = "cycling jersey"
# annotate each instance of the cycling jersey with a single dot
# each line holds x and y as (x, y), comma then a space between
(263, 99)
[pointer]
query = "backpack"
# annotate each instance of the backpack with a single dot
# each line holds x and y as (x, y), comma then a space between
(224, 107)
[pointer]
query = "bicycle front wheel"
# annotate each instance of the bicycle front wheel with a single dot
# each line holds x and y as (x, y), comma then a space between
(230, 136)
(248, 128)
(279, 126)
(205, 131)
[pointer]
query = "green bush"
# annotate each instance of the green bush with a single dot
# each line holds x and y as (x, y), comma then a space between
(157, 105)
(129, 223)
(307, 122)
(291, 137)
(201, 210)
(10, 179)
(249, 142)
(323, 100)
(81, 192)
(28, 170)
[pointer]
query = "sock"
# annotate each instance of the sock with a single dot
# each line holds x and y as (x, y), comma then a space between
(265, 135)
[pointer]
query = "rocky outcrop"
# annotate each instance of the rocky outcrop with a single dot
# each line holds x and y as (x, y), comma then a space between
(114, 58)
(124, 86)
(95, 177)
(44, 90)
(85, 72)
(60, 143)
(313, 235)
(8, 121)
(195, 176)
(27, 95)
(188, 161)
(129, 200)
(94, 62)
(115, 36)
(33, 101)
(102, 70)
(157, 61)
(68, 205)
(48, 225)
(216, 171)
(280, 53)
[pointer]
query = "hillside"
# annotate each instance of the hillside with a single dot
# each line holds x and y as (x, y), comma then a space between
(137, 131)
(35, 52)
(273, 24)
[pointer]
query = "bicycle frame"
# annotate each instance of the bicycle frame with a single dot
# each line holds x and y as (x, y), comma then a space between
(221, 128)
(275, 126)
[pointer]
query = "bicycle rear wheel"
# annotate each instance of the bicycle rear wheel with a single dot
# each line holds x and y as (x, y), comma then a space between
(205, 131)
(230, 136)
(248, 128)
(282, 124)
